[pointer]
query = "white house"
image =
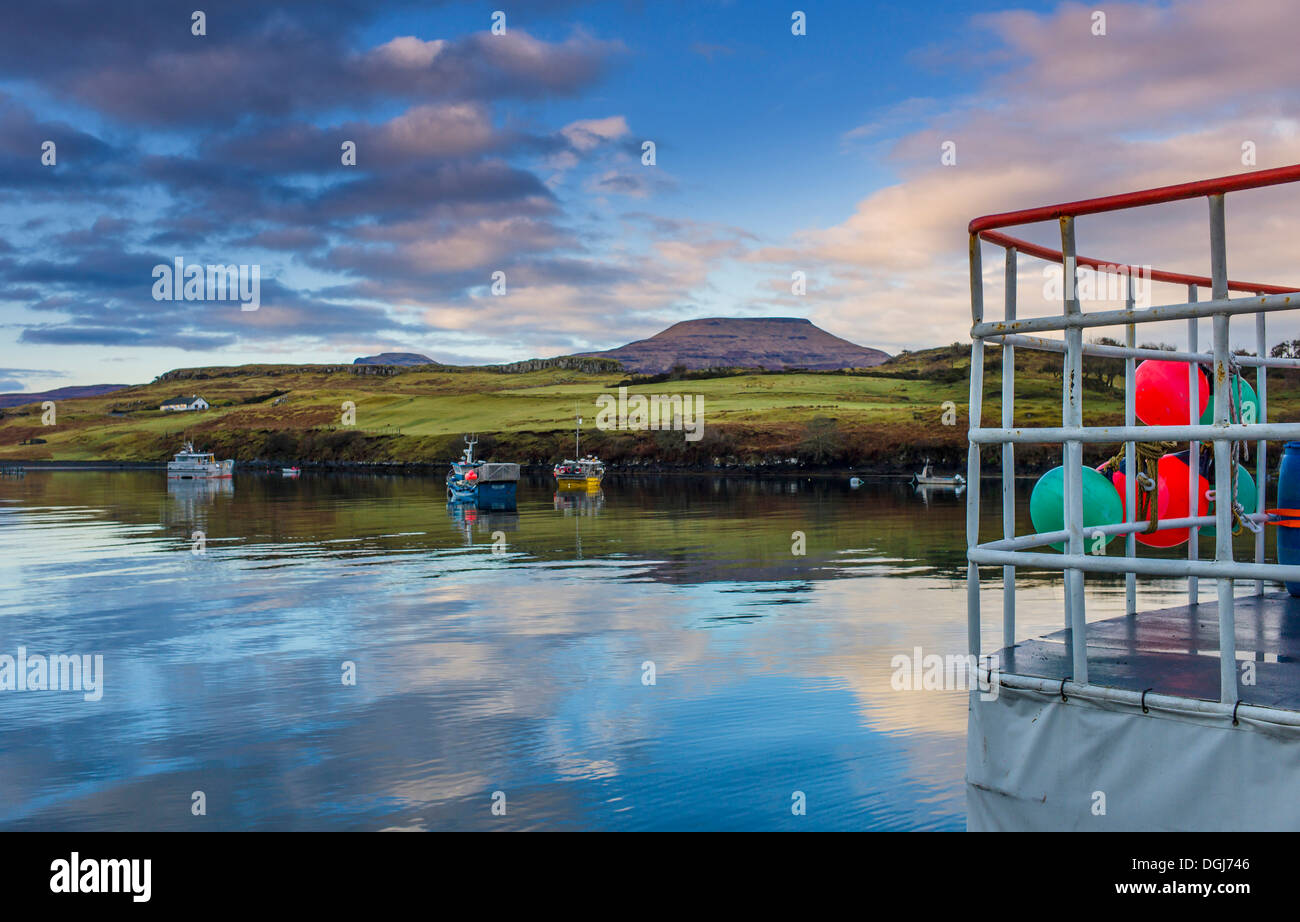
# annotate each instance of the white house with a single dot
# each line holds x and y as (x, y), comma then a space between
(180, 404)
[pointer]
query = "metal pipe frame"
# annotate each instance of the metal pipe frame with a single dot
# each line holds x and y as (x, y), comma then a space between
(1223, 470)
(1038, 539)
(1151, 700)
(1229, 433)
(973, 452)
(1261, 445)
(1012, 551)
(1072, 416)
(1194, 448)
(1143, 566)
(1249, 305)
(1130, 457)
(1009, 454)
(1124, 352)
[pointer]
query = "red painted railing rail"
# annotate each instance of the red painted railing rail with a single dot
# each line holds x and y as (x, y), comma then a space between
(1176, 193)
(1157, 275)
(986, 226)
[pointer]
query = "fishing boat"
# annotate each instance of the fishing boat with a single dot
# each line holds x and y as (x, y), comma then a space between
(928, 477)
(290, 471)
(487, 484)
(198, 465)
(498, 483)
(462, 479)
(583, 473)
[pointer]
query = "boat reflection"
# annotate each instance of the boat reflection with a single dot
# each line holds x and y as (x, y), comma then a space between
(938, 494)
(583, 502)
(193, 500)
(472, 520)
(197, 489)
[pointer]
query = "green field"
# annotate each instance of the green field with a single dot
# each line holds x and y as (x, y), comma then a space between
(886, 418)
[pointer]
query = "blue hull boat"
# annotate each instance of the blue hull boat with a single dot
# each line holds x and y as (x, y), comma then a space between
(462, 479)
(487, 484)
(496, 495)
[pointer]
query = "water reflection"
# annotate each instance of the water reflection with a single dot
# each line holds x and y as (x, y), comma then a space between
(476, 523)
(580, 502)
(518, 670)
(932, 494)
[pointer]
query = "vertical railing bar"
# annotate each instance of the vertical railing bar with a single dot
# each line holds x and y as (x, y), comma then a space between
(1072, 418)
(1223, 485)
(1261, 445)
(1130, 455)
(1009, 456)
(1194, 449)
(972, 452)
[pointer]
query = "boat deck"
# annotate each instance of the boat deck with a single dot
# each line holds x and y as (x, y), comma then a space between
(1175, 651)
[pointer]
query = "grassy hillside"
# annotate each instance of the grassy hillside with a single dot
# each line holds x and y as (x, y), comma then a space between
(884, 418)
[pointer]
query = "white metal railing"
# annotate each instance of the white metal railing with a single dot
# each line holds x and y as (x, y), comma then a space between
(1012, 332)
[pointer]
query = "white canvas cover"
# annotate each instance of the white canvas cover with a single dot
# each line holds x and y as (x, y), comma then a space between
(498, 472)
(1034, 762)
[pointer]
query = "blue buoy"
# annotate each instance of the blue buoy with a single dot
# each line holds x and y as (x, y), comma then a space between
(1288, 497)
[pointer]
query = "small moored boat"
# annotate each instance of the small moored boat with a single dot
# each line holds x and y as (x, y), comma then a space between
(927, 477)
(462, 479)
(198, 465)
(581, 473)
(488, 484)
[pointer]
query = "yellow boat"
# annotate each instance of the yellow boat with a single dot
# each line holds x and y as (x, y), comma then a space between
(582, 474)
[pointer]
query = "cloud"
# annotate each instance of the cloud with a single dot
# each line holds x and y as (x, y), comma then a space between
(1068, 116)
(709, 51)
(226, 149)
(9, 382)
(117, 336)
(142, 64)
(587, 134)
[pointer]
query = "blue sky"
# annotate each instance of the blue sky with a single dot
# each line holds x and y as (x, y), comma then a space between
(520, 153)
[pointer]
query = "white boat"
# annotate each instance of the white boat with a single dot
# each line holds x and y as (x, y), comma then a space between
(928, 477)
(198, 465)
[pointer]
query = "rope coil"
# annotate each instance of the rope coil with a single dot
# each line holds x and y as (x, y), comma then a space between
(1148, 466)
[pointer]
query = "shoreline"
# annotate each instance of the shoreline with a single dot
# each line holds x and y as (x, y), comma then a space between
(438, 468)
(430, 468)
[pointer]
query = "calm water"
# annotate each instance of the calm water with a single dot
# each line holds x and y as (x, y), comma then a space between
(517, 670)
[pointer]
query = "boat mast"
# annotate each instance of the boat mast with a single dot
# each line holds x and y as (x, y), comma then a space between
(577, 435)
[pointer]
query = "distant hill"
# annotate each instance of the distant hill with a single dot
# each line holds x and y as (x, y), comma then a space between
(59, 393)
(773, 343)
(395, 358)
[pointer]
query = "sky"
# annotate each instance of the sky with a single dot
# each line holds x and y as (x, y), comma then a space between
(501, 205)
